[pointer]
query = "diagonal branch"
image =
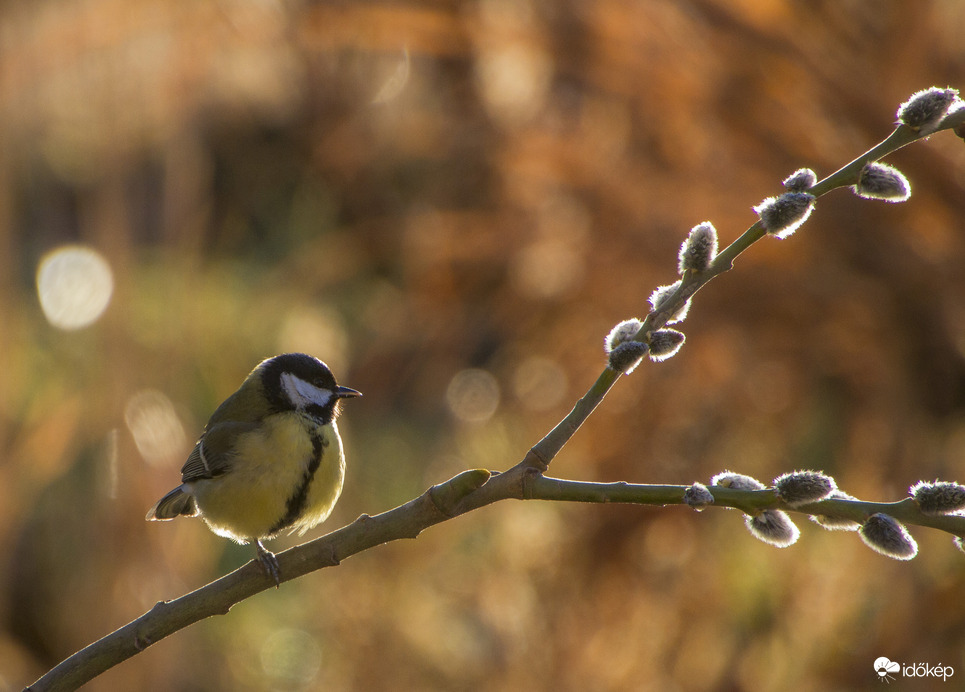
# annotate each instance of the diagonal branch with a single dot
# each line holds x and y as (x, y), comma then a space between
(546, 449)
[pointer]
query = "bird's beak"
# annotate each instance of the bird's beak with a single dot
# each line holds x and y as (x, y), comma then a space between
(346, 392)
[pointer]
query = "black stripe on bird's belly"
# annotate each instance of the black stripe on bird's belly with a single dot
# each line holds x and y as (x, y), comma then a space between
(298, 499)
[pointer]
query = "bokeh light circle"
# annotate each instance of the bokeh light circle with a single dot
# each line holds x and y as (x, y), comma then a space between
(155, 426)
(473, 395)
(74, 285)
(291, 656)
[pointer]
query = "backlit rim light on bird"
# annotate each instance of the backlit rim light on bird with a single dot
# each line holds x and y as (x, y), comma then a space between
(74, 285)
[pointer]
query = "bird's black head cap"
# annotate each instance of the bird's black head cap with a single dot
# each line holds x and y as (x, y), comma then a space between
(307, 369)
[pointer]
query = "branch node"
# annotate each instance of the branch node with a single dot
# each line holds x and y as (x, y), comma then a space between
(535, 460)
(530, 474)
(141, 643)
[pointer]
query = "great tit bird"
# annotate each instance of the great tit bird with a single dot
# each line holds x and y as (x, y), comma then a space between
(270, 458)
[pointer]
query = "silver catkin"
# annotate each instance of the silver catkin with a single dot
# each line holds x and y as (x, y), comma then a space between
(699, 249)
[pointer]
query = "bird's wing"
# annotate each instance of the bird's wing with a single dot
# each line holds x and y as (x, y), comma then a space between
(214, 453)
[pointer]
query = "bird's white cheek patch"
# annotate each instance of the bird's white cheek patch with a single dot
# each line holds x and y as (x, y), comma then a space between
(303, 393)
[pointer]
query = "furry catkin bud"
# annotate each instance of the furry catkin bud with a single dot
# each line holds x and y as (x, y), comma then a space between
(737, 481)
(659, 301)
(800, 180)
(698, 496)
(664, 344)
(940, 497)
(887, 536)
(783, 215)
(833, 523)
(700, 248)
(773, 526)
(881, 181)
(801, 487)
(925, 109)
(624, 331)
(627, 356)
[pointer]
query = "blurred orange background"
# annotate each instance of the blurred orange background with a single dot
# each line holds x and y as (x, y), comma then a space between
(452, 204)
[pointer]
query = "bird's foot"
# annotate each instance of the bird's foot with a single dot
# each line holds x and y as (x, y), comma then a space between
(269, 562)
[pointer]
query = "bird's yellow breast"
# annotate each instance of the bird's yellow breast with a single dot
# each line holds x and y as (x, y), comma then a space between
(269, 465)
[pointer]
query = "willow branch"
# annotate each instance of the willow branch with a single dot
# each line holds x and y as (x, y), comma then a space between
(547, 448)
(750, 502)
(477, 488)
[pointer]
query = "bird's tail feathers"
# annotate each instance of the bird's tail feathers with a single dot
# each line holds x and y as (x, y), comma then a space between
(174, 504)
